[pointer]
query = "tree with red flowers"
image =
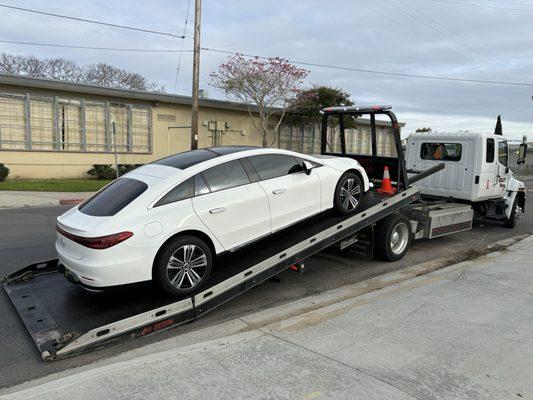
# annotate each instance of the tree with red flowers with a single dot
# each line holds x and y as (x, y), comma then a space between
(265, 86)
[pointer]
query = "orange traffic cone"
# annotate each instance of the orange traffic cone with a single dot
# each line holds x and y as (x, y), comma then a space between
(386, 186)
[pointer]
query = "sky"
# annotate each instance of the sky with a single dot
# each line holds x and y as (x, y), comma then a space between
(471, 39)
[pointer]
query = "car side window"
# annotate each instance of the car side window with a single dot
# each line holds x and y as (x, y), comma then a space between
(301, 160)
(490, 151)
(181, 192)
(226, 176)
(199, 186)
(270, 166)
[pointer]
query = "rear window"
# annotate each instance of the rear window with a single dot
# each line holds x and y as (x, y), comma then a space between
(441, 151)
(113, 198)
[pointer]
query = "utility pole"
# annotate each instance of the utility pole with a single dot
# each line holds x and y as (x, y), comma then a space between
(195, 74)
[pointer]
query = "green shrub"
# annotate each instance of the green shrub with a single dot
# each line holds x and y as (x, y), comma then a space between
(106, 171)
(102, 171)
(4, 172)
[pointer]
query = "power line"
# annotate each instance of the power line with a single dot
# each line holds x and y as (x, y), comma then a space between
(378, 72)
(304, 63)
(481, 5)
(68, 46)
(182, 43)
(92, 21)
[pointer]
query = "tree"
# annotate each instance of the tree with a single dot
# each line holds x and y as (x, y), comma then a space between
(100, 74)
(308, 103)
(424, 130)
(269, 85)
(498, 130)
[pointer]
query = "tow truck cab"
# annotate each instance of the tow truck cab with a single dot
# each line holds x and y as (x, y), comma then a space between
(476, 172)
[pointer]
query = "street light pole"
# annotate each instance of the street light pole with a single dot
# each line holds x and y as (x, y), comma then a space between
(195, 75)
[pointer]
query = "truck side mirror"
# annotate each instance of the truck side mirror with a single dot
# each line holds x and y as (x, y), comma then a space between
(522, 150)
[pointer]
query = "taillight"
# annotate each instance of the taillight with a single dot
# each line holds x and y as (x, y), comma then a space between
(98, 243)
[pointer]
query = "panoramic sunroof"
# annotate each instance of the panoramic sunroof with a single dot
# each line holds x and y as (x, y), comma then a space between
(186, 159)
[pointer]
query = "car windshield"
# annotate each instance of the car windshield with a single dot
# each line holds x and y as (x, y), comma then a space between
(113, 198)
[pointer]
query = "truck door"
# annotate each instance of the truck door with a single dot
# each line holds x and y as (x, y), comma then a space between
(503, 167)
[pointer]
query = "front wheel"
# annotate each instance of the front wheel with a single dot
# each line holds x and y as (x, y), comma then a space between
(348, 193)
(392, 237)
(516, 212)
(183, 266)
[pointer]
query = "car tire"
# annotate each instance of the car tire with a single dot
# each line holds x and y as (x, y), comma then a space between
(392, 237)
(183, 265)
(348, 193)
(513, 218)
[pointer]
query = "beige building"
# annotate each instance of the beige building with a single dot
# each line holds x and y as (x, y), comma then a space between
(55, 129)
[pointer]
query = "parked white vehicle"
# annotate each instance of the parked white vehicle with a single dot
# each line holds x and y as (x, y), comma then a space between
(476, 172)
(168, 220)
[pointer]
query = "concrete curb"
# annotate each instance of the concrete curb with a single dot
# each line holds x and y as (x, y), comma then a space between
(254, 324)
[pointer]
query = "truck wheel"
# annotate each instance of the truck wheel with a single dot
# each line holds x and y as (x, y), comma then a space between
(183, 265)
(392, 237)
(513, 218)
(348, 193)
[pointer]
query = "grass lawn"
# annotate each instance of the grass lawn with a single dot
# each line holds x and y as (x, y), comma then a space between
(53, 185)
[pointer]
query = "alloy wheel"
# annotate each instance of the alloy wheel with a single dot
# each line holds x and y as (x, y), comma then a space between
(350, 192)
(187, 267)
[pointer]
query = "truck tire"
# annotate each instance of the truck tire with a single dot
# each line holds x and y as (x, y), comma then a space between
(513, 218)
(183, 265)
(392, 237)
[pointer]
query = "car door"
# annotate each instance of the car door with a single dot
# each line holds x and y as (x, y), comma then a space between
(292, 194)
(233, 208)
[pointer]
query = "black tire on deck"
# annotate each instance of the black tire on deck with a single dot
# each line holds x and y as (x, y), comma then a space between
(188, 256)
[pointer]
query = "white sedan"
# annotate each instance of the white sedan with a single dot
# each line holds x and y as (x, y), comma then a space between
(168, 220)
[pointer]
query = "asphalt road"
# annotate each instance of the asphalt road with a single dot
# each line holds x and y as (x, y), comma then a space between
(27, 235)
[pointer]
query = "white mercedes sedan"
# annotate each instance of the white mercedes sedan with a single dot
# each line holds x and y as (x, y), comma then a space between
(167, 221)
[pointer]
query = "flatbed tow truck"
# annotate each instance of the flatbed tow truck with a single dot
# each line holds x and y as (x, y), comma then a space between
(63, 320)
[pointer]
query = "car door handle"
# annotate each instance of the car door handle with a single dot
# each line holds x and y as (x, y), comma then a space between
(279, 191)
(217, 210)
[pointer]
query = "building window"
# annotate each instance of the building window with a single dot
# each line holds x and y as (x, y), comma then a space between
(12, 121)
(34, 122)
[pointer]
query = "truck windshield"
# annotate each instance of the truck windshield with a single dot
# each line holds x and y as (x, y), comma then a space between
(113, 198)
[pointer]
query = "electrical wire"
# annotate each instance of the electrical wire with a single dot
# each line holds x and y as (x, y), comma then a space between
(379, 72)
(182, 43)
(91, 21)
(68, 46)
(481, 5)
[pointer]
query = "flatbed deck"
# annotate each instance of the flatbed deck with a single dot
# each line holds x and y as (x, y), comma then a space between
(65, 320)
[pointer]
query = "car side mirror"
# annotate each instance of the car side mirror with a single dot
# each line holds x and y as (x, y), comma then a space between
(307, 167)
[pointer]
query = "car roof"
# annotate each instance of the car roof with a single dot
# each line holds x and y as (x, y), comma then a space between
(187, 159)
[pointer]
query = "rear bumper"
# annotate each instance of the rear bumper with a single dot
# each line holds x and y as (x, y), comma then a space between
(116, 266)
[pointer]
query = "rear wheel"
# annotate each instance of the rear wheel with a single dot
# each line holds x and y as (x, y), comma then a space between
(183, 266)
(348, 193)
(392, 237)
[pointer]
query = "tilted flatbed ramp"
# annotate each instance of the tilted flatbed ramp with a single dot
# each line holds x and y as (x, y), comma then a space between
(64, 320)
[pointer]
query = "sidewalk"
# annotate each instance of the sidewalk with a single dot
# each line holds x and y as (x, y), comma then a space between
(36, 199)
(463, 332)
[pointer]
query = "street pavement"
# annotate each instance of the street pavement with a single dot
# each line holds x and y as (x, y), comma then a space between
(27, 236)
(11, 199)
(462, 332)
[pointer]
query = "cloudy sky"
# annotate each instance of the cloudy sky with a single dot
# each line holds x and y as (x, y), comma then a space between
(472, 39)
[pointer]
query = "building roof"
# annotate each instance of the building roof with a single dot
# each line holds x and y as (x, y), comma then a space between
(64, 86)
